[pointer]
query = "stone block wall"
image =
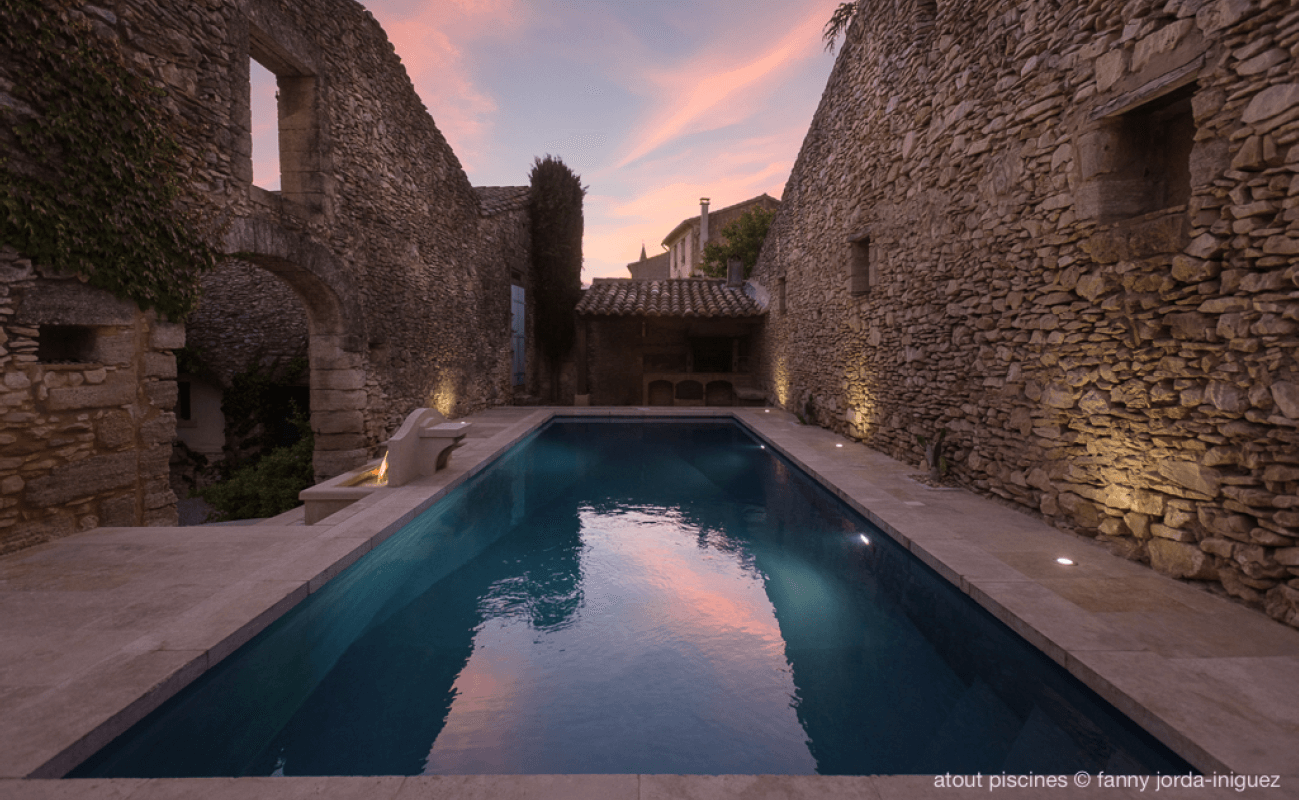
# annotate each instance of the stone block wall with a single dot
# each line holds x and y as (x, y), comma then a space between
(247, 316)
(376, 231)
(506, 238)
(86, 423)
(1065, 233)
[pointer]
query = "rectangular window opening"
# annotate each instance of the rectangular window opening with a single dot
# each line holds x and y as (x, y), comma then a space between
(265, 126)
(860, 277)
(1155, 147)
(65, 344)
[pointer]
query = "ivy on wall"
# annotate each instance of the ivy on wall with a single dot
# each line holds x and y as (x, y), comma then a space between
(89, 163)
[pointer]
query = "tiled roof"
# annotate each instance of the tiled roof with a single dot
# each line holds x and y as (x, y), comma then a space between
(495, 200)
(683, 297)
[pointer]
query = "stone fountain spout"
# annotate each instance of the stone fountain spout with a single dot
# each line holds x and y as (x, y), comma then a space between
(422, 445)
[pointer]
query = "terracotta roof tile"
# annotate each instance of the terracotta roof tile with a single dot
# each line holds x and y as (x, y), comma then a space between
(682, 297)
(495, 200)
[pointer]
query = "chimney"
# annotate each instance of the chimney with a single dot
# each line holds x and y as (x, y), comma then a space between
(704, 222)
(735, 273)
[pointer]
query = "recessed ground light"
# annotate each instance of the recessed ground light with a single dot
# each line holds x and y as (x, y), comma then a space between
(864, 538)
(1068, 562)
(839, 445)
(767, 411)
(762, 447)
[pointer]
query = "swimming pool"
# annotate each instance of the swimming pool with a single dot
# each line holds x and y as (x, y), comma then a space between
(635, 597)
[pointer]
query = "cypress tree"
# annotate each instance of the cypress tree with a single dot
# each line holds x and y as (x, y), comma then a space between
(555, 209)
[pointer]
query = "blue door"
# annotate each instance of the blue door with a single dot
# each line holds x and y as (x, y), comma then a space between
(517, 335)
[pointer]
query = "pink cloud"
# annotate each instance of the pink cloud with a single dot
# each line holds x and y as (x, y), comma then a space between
(433, 39)
(704, 94)
(671, 188)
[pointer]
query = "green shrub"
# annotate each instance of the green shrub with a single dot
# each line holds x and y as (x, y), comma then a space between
(106, 201)
(742, 238)
(268, 486)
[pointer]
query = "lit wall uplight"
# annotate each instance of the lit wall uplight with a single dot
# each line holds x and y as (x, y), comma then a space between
(443, 398)
(1067, 562)
(781, 379)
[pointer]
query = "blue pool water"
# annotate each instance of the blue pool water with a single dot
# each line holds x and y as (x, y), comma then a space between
(617, 597)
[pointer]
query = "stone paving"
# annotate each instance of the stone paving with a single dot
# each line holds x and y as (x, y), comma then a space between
(99, 628)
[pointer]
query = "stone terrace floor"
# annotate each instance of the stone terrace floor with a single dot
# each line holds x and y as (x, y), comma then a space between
(98, 628)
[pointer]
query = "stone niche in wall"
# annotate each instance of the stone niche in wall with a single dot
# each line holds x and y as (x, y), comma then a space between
(86, 435)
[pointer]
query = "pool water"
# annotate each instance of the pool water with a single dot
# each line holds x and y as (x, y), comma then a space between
(619, 597)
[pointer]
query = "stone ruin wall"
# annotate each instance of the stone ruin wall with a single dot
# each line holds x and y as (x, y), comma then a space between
(1130, 374)
(397, 209)
(84, 441)
(376, 229)
(506, 235)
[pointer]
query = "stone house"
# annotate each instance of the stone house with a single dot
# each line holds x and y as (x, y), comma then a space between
(650, 269)
(376, 260)
(685, 243)
(679, 342)
(1066, 234)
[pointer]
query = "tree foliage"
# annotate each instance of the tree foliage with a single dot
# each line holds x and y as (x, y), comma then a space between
(742, 238)
(268, 486)
(838, 24)
(555, 207)
(94, 190)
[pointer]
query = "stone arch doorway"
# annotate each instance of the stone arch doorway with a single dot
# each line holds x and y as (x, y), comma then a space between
(336, 335)
(249, 322)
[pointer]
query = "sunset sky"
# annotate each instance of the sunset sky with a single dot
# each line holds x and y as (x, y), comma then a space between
(654, 103)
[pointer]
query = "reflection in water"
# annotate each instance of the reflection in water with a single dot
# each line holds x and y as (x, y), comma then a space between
(672, 662)
(634, 598)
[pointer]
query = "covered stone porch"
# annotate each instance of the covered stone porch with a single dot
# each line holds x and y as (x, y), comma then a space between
(686, 342)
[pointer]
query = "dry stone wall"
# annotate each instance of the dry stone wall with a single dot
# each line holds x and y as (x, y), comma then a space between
(247, 318)
(1065, 233)
(86, 421)
(376, 230)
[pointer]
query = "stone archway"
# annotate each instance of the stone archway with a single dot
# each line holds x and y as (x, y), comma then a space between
(336, 350)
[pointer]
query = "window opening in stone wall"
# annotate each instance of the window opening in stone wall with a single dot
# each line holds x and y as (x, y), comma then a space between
(926, 13)
(265, 126)
(297, 123)
(860, 277)
(780, 295)
(1155, 147)
(65, 344)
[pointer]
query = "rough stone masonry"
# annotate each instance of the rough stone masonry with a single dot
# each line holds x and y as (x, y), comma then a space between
(404, 281)
(1065, 233)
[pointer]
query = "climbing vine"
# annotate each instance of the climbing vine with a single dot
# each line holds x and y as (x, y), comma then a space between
(89, 163)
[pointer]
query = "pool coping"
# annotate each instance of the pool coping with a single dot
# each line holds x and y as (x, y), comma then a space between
(1213, 680)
